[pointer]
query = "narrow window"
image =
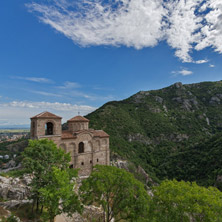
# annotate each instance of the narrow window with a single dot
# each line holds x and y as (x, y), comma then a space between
(82, 163)
(97, 160)
(33, 129)
(90, 161)
(49, 128)
(81, 147)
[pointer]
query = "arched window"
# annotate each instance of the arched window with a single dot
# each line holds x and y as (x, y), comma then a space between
(49, 128)
(81, 147)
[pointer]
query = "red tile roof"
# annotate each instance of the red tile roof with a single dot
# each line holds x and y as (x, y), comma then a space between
(46, 115)
(78, 119)
(100, 133)
(67, 135)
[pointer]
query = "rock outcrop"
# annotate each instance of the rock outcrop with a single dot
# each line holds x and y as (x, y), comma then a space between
(14, 188)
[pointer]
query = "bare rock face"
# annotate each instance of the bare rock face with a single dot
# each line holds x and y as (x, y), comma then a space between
(139, 137)
(138, 98)
(214, 100)
(178, 85)
(14, 188)
(187, 104)
(124, 164)
(12, 204)
(159, 99)
(142, 172)
(10, 164)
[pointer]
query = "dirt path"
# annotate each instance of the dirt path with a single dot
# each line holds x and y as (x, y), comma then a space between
(60, 218)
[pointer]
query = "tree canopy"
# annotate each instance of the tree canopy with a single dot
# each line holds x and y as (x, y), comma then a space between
(58, 195)
(51, 185)
(183, 201)
(121, 196)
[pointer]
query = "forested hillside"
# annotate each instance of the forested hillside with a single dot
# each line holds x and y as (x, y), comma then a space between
(166, 131)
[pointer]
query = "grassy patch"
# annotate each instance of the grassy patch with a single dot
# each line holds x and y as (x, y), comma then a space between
(25, 213)
(14, 173)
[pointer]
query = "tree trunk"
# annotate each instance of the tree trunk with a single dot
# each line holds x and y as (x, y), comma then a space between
(37, 205)
(33, 204)
(41, 209)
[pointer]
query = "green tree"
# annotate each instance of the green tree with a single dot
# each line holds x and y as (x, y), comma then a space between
(183, 201)
(58, 195)
(121, 196)
(38, 159)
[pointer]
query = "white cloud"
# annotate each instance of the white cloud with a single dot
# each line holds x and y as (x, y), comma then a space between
(182, 24)
(34, 79)
(137, 23)
(201, 61)
(211, 33)
(183, 72)
(211, 66)
(19, 112)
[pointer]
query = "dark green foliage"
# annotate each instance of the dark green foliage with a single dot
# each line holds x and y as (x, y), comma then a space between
(11, 148)
(201, 163)
(150, 128)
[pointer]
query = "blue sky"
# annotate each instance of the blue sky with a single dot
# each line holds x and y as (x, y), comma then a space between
(69, 56)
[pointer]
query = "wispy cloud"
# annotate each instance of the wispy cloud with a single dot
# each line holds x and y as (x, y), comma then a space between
(34, 79)
(69, 85)
(211, 66)
(186, 25)
(103, 88)
(183, 72)
(43, 93)
(70, 93)
(91, 97)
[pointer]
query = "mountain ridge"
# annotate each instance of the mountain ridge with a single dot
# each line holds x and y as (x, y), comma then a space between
(149, 126)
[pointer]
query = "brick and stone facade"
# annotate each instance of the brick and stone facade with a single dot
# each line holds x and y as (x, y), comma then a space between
(87, 147)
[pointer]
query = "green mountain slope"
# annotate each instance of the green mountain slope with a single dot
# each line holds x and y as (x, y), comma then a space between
(201, 163)
(151, 126)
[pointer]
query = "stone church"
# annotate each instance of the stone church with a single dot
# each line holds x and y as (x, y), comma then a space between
(86, 146)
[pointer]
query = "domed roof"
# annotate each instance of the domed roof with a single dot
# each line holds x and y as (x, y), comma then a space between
(78, 119)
